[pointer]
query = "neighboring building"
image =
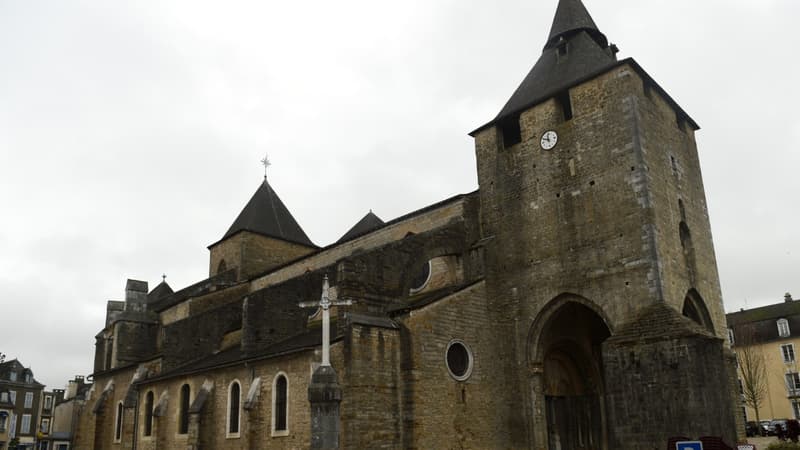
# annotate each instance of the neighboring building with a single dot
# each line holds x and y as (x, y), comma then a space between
(6, 413)
(774, 332)
(46, 419)
(65, 414)
(25, 393)
(573, 301)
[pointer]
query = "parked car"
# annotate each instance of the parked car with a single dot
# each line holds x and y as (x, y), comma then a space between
(773, 422)
(752, 428)
(764, 427)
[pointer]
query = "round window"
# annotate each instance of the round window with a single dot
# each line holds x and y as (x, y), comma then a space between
(459, 360)
(421, 278)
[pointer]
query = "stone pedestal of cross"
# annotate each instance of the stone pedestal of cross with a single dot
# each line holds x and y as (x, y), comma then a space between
(324, 392)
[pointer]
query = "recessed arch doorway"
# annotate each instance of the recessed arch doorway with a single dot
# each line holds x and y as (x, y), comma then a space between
(573, 390)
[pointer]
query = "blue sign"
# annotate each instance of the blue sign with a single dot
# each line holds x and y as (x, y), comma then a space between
(689, 445)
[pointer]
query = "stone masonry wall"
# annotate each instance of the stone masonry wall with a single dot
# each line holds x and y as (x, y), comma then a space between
(370, 409)
(590, 217)
(668, 380)
(255, 423)
(134, 341)
(567, 220)
(199, 335)
(95, 431)
(672, 165)
(253, 253)
(428, 220)
(437, 410)
(274, 314)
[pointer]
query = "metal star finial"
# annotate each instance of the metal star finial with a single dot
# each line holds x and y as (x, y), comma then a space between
(265, 162)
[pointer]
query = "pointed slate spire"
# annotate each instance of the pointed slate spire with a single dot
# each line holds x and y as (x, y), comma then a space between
(367, 223)
(266, 214)
(572, 16)
(575, 50)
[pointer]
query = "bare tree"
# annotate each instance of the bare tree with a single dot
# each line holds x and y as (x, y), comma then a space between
(752, 368)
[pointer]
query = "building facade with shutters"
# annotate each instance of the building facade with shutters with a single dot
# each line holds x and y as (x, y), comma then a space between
(572, 301)
(22, 395)
(772, 334)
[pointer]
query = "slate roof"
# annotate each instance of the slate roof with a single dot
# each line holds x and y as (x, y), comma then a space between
(369, 222)
(306, 341)
(217, 282)
(422, 300)
(587, 52)
(266, 214)
(760, 325)
(656, 321)
(587, 55)
(159, 292)
(572, 16)
(771, 312)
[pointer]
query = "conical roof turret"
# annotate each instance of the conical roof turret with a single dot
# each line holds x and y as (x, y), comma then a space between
(266, 214)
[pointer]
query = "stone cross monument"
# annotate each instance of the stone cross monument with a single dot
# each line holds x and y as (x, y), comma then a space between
(324, 392)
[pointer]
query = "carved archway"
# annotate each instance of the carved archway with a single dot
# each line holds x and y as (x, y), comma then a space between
(565, 342)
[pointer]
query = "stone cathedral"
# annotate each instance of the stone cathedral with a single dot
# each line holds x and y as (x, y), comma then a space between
(571, 302)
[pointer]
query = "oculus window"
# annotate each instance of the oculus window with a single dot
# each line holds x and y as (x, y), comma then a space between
(458, 359)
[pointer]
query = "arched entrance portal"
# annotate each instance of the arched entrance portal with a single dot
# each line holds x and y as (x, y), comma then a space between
(569, 346)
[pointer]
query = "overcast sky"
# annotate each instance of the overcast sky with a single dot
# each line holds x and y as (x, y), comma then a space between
(131, 133)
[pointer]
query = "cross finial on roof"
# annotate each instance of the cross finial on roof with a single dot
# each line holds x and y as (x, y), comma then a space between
(163, 277)
(265, 162)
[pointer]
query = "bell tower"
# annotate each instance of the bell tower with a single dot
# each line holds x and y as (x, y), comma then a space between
(594, 210)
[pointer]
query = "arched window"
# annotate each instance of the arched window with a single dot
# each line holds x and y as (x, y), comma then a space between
(695, 308)
(183, 410)
(148, 413)
(118, 424)
(280, 405)
(234, 400)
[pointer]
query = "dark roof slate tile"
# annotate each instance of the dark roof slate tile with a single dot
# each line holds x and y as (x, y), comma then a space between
(369, 222)
(266, 214)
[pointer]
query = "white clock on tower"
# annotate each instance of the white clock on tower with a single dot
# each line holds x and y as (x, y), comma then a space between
(549, 140)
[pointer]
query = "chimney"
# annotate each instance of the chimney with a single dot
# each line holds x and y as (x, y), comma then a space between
(72, 389)
(73, 386)
(787, 297)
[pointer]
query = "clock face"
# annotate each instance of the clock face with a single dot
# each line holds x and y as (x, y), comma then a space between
(549, 140)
